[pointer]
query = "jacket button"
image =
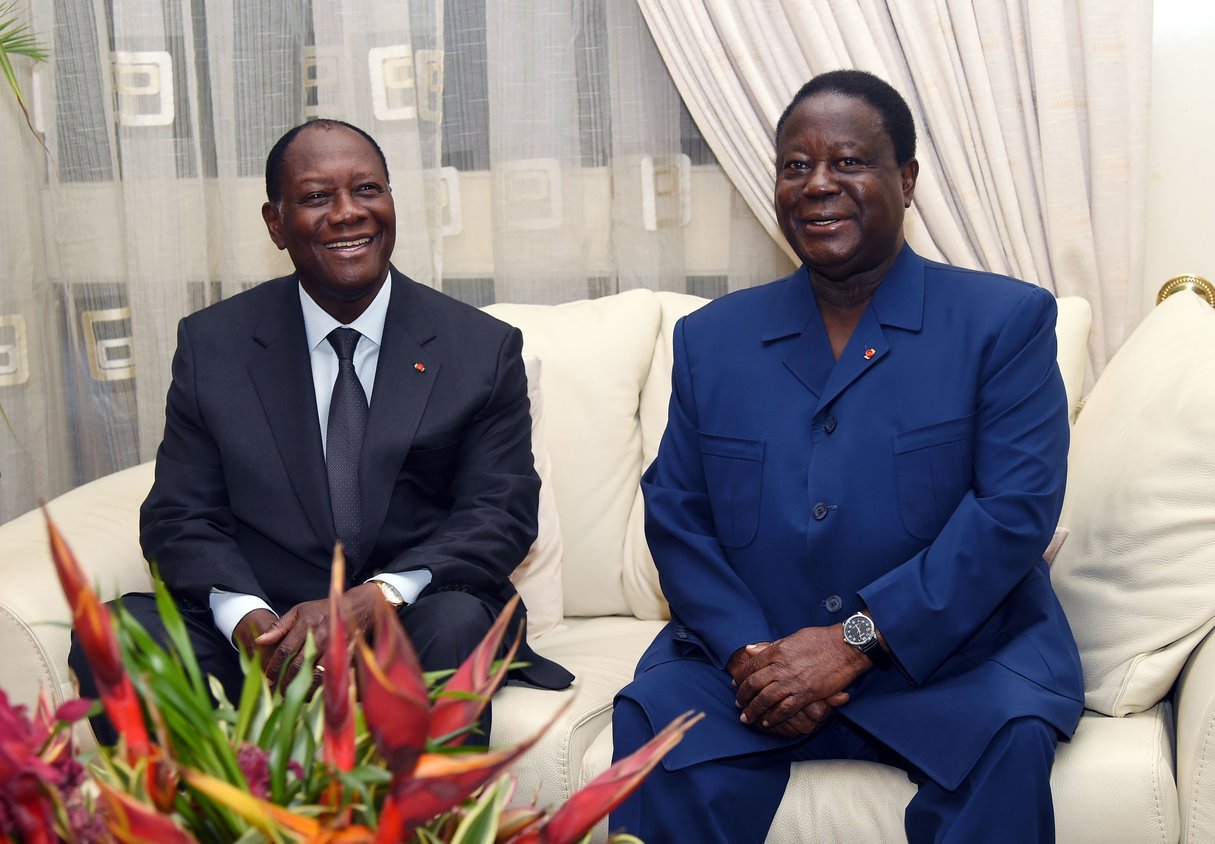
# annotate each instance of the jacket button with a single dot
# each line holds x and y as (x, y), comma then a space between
(829, 425)
(681, 635)
(819, 512)
(833, 604)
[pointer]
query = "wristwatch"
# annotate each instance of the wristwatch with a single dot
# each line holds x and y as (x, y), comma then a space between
(390, 593)
(860, 632)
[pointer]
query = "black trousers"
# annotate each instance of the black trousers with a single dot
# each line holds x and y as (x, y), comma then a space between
(444, 628)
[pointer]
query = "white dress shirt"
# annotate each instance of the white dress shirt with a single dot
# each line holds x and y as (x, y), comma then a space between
(228, 608)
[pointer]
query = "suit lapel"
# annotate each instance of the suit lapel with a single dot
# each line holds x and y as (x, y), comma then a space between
(898, 302)
(282, 376)
(400, 395)
(794, 313)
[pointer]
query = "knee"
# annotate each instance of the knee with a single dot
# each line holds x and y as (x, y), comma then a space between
(630, 727)
(446, 627)
(78, 664)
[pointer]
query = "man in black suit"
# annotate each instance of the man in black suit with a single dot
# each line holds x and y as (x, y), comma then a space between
(436, 501)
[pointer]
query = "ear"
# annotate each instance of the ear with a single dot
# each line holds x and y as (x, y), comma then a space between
(908, 175)
(274, 224)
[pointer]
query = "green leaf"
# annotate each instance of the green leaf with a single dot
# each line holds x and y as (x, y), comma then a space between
(18, 39)
(282, 741)
(480, 822)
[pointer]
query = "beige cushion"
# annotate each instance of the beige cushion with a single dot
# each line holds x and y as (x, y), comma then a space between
(602, 653)
(641, 587)
(596, 357)
(1137, 574)
(538, 577)
(1071, 333)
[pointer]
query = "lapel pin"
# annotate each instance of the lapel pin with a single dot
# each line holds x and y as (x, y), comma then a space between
(869, 353)
(420, 367)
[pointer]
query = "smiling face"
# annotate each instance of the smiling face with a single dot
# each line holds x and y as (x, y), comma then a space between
(840, 194)
(336, 218)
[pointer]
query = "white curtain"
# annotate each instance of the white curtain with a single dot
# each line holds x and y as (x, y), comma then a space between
(538, 152)
(1032, 118)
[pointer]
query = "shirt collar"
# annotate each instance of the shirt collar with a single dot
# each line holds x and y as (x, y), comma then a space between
(370, 323)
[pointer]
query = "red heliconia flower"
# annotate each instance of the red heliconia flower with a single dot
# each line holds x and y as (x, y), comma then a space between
(132, 822)
(95, 632)
(396, 703)
(601, 795)
(441, 781)
(339, 740)
(472, 683)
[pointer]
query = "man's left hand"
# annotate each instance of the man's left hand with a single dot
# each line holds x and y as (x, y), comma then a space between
(288, 634)
(809, 667)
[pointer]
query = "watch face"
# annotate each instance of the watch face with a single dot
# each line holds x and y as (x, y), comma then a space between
(858, 630)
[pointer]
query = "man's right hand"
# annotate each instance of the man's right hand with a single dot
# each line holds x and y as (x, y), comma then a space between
(255, 623)
(803, 723)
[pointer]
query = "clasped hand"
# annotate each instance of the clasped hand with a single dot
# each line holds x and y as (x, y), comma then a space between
(791, 686)
(280, 641)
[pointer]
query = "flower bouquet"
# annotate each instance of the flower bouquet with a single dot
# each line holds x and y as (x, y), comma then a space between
(378, 754)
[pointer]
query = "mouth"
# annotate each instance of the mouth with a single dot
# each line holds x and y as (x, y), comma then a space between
(821, 223)
(348, 245)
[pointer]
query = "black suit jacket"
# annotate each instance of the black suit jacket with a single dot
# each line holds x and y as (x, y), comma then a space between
(241, 497)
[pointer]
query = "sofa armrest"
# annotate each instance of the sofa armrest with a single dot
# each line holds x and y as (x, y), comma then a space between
(1195, 703)
(100, 521)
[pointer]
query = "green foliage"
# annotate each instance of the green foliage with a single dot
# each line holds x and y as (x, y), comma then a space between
(18, 39)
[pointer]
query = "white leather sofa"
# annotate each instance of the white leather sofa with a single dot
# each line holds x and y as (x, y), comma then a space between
(1136, 573)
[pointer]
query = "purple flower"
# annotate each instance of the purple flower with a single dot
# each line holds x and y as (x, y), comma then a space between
(255, 765)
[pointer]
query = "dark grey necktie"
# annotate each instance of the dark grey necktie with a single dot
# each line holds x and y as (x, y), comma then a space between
(344, 442)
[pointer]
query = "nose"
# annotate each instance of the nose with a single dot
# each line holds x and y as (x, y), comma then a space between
(345, 208)
(821, 180)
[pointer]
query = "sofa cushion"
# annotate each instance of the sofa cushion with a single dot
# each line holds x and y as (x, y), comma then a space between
(538, 577)
(1137, 573)
(596, 357)
(602, 653)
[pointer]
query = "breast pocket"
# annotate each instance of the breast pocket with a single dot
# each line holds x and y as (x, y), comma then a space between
(934, 468)
(734, 470)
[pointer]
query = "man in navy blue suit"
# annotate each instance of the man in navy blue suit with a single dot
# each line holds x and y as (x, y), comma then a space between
(862, 467)
(242, 521)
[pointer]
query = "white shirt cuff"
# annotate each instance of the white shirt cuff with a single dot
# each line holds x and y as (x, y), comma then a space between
(409, 583)
(228, 608)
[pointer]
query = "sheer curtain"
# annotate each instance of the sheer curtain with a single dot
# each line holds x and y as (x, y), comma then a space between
(538, 152)
(1032, 117)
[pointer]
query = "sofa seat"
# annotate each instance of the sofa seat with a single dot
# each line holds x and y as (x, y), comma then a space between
(602, 653)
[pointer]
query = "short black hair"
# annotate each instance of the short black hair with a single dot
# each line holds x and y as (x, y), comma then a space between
(876, 92)
(274, 161)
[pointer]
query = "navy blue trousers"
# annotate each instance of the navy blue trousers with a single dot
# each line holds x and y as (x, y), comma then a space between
(1006, 797)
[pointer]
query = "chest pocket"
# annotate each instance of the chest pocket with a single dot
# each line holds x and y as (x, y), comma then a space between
(734, 470)
(934, 467)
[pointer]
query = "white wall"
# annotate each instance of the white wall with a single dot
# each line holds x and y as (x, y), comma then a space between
(1181, 175)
